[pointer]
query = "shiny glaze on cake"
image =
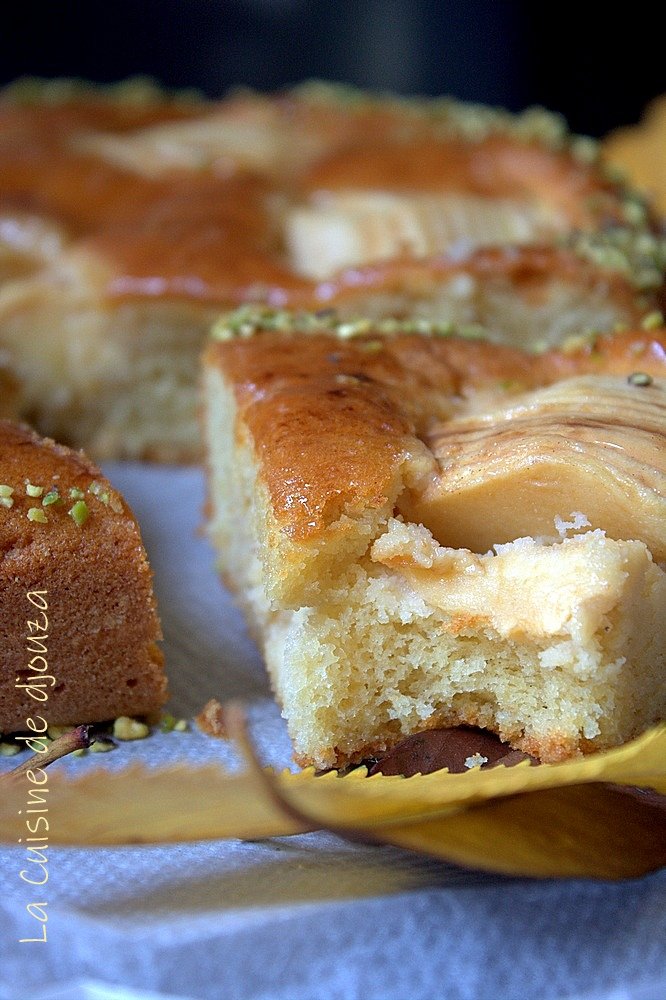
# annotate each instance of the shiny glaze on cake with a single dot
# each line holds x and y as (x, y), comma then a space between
(332, 421)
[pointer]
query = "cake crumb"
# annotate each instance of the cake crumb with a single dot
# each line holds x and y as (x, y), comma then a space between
(476, 760)
(577, 522)
(210, 720)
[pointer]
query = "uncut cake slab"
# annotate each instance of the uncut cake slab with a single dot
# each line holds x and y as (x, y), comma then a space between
(130, 217)
(427, 530)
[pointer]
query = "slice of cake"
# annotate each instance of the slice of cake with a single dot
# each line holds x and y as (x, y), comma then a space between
(78, 623)
(129, 218)
(382, 498)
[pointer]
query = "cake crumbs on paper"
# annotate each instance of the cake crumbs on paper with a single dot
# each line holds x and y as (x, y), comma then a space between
(210, 720)
(476, 760)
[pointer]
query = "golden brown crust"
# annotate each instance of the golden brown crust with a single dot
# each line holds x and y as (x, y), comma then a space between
(497, 167)
(102, 625)
(42, 170)
(210, 234)
(332, 421)
(128, 223)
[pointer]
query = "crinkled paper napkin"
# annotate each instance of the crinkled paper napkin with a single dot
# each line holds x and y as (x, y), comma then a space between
(586, 817)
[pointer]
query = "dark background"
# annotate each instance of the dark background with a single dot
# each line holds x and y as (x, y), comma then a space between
(597, 67)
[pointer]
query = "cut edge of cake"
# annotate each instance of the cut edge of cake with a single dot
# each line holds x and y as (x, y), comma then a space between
(351, 619)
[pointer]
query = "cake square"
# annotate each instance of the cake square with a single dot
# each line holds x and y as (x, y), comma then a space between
(398, 574)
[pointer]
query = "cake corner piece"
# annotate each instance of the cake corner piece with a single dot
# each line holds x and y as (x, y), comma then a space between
(78, 620)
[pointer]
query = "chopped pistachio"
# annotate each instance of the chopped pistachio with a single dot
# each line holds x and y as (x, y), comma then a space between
(125, 728)
(646, 241)
(51, 497)
(115, 503)
(35, 514)
(448, 116)
(106, 496)
(79, 753)
(634, 212)
(638, 254)
(135, 90)
(79, 513)
(653, 320)
(102, 746)
(97, 490)
(471, 331)
(585, 149)
(76, 494)
(6, 491)
(250, 320)
(640, 378)
(167, 723)
(6, 502)
(9, 749)
(370, 346)
(353, 328)
(444, 329)
(32, 490)
(577, 341)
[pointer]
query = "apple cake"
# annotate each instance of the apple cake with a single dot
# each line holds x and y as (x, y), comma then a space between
(129, 218)
(78, 623)
(426, 529)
